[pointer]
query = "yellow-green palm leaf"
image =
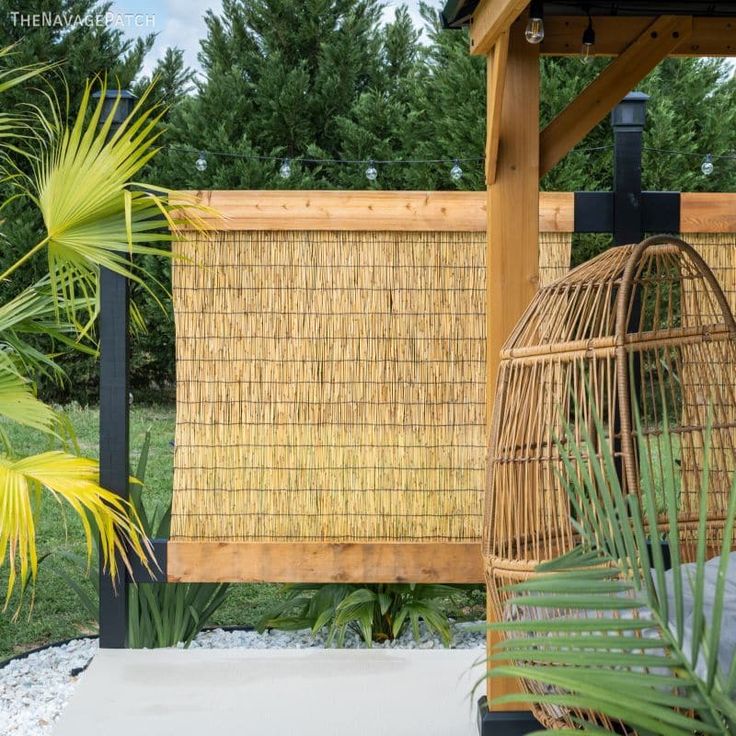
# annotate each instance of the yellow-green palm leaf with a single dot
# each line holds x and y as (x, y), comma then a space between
(18, 401)
(74, 481)
(94, 215)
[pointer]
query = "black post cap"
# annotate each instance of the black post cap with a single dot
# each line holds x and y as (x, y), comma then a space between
(631, 112)
(124, 106)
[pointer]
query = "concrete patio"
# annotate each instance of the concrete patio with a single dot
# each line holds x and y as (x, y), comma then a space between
(308, 692)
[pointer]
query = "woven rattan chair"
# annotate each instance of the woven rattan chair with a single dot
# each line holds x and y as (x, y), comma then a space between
(642, 325)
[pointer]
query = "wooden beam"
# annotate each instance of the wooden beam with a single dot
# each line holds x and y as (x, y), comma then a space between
(610, 87)
(613, 35)
(491, 19)
(513, 204)
(495, 81)
(513, 233)
(366, 210)
(707, 212)
(324, 562)
(557, 212)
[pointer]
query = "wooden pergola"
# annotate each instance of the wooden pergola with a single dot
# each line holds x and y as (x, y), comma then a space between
(638, 34)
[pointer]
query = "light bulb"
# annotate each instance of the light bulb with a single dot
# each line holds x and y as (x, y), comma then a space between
(285, 170)
(456, 173)
(707, 166)
(201, 162)
(535, 27)
(371, 173)
(586, 50)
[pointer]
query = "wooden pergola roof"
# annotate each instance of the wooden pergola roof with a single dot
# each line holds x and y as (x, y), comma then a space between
(457, 13)
(617, 24)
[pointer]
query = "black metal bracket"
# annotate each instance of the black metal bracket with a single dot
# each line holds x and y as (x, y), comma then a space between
(505, 722)
(595, 212)
(157, 573)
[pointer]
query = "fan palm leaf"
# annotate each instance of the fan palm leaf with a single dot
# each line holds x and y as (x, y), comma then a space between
(18, 401)
(94, 215)
(74, 481)
(10, 125)
(603, 629)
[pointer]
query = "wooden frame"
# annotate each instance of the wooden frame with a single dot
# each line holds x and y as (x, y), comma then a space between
(700, 212)
(490, 20)
(654, 43)
(496, 82)
(324, 562)
(369, 210)
(366, 210)
(709, 36)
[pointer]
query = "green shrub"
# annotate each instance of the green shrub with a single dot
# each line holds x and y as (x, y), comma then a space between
(377, 612)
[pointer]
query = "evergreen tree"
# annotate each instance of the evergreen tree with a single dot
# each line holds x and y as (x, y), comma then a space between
(279, 77)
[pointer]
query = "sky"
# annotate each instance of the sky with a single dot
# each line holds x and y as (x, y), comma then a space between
(181, 22)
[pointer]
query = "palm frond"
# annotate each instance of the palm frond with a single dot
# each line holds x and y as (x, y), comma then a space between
(74, 481)
(94, 215)
(18, 401)
(605, 629)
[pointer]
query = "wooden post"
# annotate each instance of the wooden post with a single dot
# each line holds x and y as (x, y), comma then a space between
(513, 202)
(513, 223)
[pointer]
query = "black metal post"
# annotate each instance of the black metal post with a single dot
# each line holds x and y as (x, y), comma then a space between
(114, 411)
(628, 119)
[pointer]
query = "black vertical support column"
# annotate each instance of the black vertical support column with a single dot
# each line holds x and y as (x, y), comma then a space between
(114, 411)
(628, 119)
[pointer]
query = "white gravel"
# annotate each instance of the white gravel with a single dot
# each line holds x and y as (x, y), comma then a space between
(34, 690)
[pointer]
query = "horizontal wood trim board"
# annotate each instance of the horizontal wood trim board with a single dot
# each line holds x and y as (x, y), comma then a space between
(324, 562)
(365, 210)
(705, 212)
(562, 34)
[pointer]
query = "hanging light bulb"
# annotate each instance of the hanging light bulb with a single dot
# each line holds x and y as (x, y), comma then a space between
(371, 173)
(535, 27)
(285, 170)
(456, 173)
(707, 166)
(586, 50)
(201, 162)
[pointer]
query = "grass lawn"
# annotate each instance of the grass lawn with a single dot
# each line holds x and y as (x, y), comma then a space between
(56, 613)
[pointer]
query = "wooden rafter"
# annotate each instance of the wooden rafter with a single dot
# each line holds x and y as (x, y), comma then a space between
(491, 19)
(562, 34)
(496, 79)
(609, 88)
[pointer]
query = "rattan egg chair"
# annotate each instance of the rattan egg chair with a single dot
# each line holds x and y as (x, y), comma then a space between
(642, 324)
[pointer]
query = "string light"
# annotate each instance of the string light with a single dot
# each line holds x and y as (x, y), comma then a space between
(586, 50)
(285, 169)
(707, 161)
(707, 165)
(535, 26)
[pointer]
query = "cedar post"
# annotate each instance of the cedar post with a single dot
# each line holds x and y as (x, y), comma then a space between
(513, 230)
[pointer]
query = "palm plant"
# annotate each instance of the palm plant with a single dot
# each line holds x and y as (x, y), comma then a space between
(159, 614)
(78, 174)
(604, 632)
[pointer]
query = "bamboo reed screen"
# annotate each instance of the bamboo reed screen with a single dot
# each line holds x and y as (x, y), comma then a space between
(645, 326)
(331, 385)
